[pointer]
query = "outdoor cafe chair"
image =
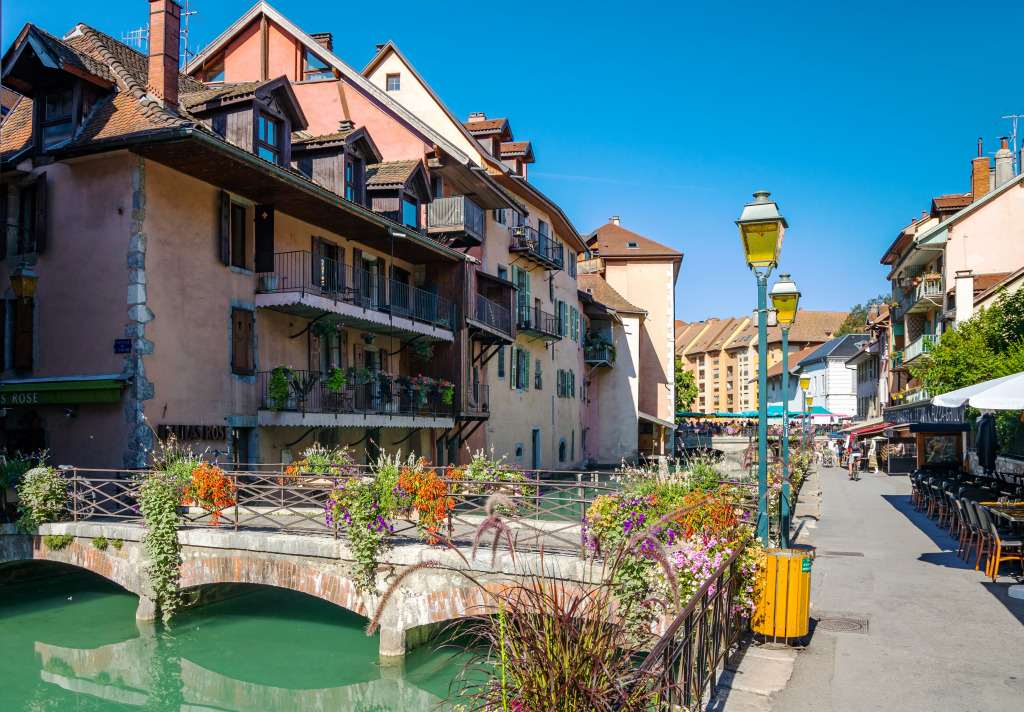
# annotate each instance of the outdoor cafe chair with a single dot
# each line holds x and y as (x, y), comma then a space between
(917, 491)
(954, 512)
(975, 534)
(998, 541)
(963, 529)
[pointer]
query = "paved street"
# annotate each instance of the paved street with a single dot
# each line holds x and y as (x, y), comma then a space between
(941, 636)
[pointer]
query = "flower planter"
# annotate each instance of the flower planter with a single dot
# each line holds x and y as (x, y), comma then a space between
(268, 283)
(271, 403)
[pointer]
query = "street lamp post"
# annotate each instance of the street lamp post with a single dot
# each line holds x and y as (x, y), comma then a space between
(805, 383)
(761, 228)
(785, 298)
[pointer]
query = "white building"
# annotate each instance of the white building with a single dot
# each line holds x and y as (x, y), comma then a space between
(833, 386)
(796, 403)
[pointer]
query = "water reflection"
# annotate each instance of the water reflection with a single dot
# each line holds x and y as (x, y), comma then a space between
(270, 650)
(149, 672)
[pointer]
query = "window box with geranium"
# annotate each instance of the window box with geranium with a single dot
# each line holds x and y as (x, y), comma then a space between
(421, 350)
(447, 389)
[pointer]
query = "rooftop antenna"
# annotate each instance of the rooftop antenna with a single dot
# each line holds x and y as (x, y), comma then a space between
(1013, 138)
(139, 38)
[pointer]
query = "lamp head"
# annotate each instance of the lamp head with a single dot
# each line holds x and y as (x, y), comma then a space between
(761, 228)
(23, 282)
(785, 298)
(805, 383)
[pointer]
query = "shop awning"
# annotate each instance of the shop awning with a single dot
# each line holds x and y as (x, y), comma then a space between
(62, 391)
(657, 421)
(871, 429)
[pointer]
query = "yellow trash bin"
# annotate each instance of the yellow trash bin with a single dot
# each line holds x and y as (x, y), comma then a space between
(783, 593)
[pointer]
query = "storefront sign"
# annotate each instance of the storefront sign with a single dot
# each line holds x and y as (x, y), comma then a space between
(193, 432)
(122, 346)
(60, 391)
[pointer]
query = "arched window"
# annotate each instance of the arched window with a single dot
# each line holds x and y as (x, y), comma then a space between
(562, 450)
(519, 452)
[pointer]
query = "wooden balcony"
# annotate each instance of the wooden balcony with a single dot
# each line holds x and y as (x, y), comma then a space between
(458, 218)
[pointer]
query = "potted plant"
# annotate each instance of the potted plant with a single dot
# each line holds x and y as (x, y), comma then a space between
(336, 379)
(268, 282)
(279, 387)
(367, 337)
(321, 329)
(447, 389)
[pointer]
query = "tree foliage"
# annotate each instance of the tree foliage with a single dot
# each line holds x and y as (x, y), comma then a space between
(686, 388)
(858, 316)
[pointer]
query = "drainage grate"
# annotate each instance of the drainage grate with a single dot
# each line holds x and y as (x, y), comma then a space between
(843, 625)
(842, 553)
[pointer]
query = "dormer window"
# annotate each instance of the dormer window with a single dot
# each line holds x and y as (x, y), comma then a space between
(56, 122)
(394, 82)
(268, 146)
(410, 213)
(354, 179)
(632, 246)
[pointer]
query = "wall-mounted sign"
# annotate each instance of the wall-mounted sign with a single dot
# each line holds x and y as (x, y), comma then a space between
(193, 432)
(122, 346)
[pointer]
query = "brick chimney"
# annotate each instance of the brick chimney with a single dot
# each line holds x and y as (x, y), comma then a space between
(979, 176)
(477, 116)
(326, 40)
(164, 42)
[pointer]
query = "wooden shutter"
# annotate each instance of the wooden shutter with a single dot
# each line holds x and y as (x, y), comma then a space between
(264, 238)
(40, 221)
(513, 366)
(358, 355)
(315, 360)
(527, 369)
(357, 274)
(23, 332)
(243, 342)
(225, 228)
(3, 231)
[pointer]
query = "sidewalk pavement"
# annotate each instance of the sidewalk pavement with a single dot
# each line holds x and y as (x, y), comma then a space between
(938, 635)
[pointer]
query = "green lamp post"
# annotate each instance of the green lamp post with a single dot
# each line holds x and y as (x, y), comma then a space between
(761, 228)
(785, 298)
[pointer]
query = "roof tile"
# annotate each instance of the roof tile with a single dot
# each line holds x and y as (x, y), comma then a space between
(390, 173)
(595, 285)
(613, 241)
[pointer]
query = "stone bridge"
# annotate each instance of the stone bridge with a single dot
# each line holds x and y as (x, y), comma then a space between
(215, 561)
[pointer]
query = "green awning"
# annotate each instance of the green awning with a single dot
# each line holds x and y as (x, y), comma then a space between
(62, 391)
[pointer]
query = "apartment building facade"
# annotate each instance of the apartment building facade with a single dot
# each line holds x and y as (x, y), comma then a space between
(956, 256)
(335, 230)
(722, 353)
(643, 273)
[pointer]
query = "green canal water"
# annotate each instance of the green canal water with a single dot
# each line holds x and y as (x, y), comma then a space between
(72, 643)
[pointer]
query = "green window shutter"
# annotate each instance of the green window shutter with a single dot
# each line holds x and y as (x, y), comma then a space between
(513, 363)
(526, 369)
(558, 383)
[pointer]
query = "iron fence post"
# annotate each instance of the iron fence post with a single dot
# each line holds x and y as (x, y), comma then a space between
(74, 496)
(234, 482)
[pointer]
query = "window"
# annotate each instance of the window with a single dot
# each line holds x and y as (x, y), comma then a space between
(502, 272)
(238, 225)
(267, 140)
(215, 72)
(56, 120)
(501, 363)
(500, 216)
(410, 213)
(574, 323)
(542, 228)
(520, 378)
(562, 450)
(315, 68)
(240, 439)
(632, 246)
(354, 179)
(394, 82)
(571, 256)
(243, 343)
(538, 381)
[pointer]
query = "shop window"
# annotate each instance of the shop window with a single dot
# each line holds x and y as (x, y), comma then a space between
(243, 342)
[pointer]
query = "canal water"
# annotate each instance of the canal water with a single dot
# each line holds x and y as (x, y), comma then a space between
(72, 643)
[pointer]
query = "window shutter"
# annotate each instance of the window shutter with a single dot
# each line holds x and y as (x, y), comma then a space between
(40, 221)
(513, 366)
(572, 377)
(23, 331)
(526, 369)
(225, 228)
(558, 383)
(264, 238)
(250, 342)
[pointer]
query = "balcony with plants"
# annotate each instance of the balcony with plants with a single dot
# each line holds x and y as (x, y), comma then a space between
(353, 397)
(599, 349)
(540, 250)
(919, 347)
(457, 218)
(307, 285)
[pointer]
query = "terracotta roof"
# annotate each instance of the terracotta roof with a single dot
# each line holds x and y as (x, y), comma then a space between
(794, 359)
(952, 201)
(485, 126)
(303, 138)
(515, 148)
(390, 174)
(220, 93)
(16, 133)
(595, 285)
(71, 53)
(613, 241)
(810, 326)
(715, 336)
(984, 281)
(9, 98)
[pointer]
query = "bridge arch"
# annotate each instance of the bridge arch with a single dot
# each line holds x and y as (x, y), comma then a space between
(113, 567)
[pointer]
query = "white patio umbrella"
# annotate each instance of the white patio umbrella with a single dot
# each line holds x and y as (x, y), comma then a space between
(1006, 393)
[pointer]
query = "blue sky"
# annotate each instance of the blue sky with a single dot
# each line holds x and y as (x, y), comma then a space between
(671, 114)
